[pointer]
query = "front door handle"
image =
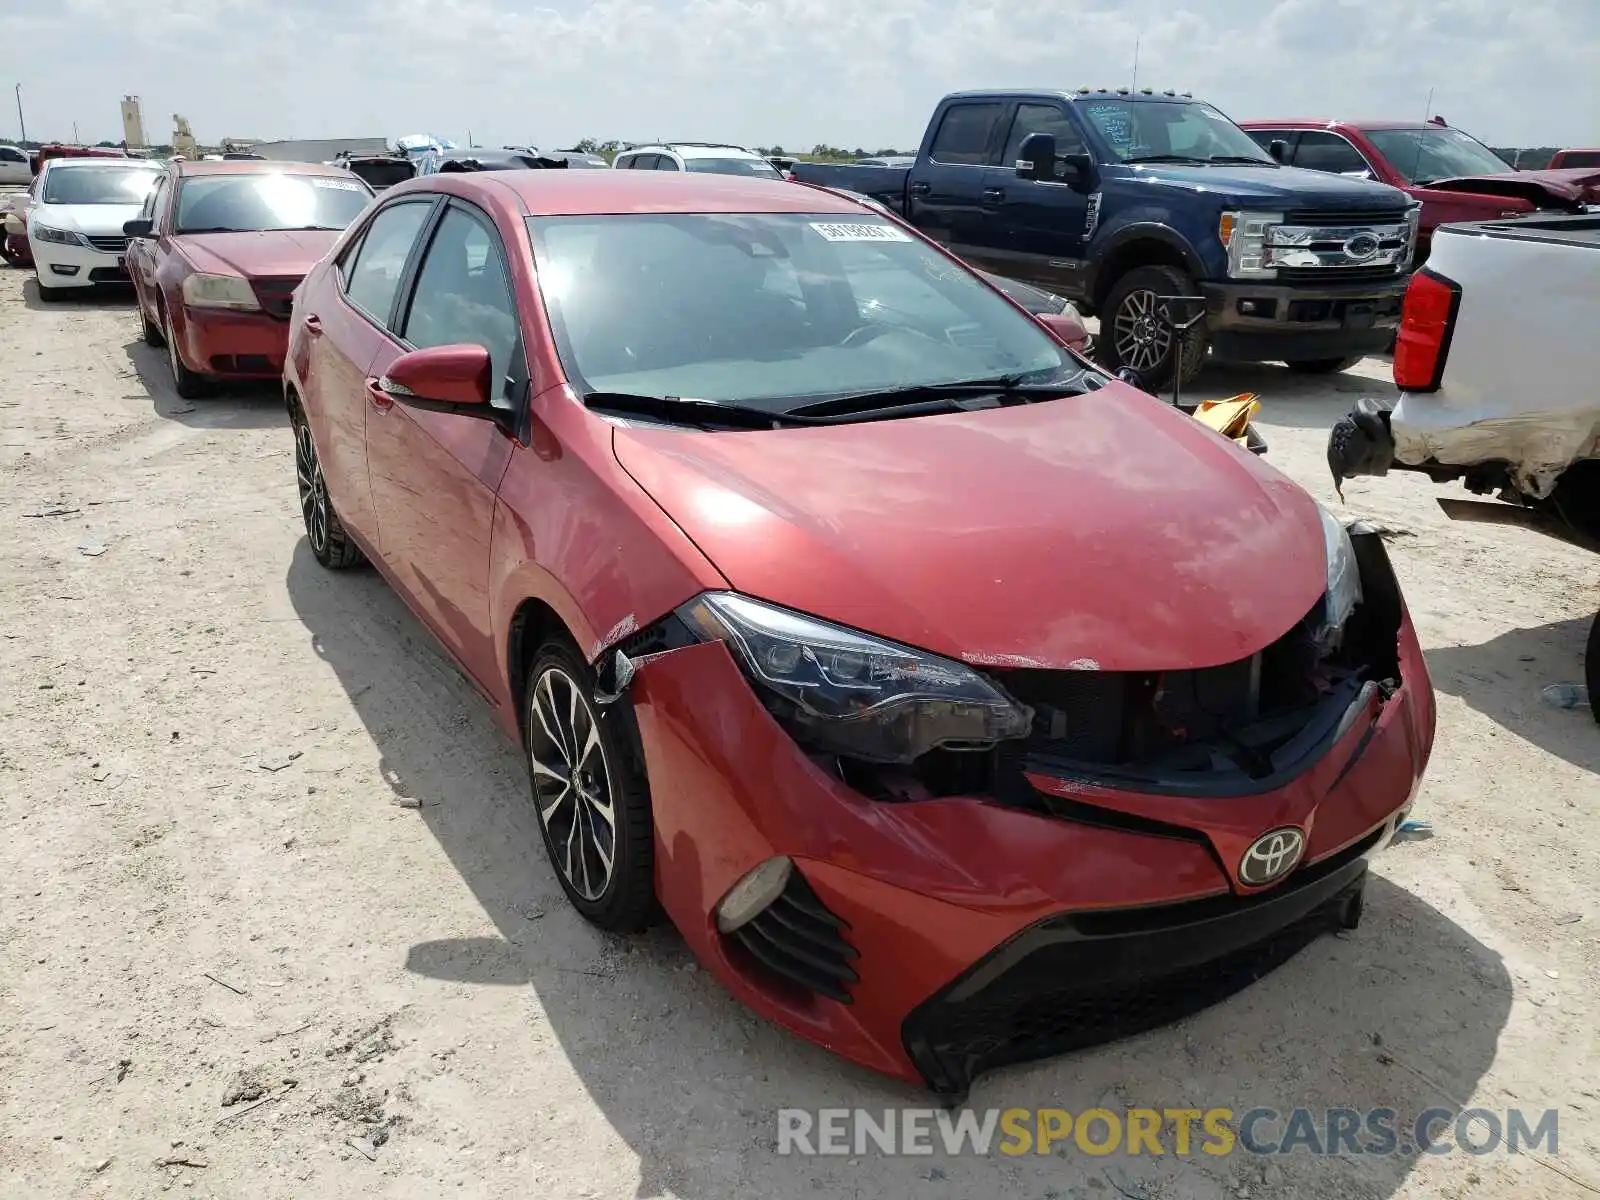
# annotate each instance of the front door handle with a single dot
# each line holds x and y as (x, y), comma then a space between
(377, 397)
(921, 189)
(994, 195)
(313, 324)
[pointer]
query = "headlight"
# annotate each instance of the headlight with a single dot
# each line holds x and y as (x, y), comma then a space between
(1344, 578)
(1413, 222)
(843, 692)
(219, 291)
(1244, 234)
(63, 237)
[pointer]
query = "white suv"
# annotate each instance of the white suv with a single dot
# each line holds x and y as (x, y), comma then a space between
(14, 169)
(709, 157)
(75, 222)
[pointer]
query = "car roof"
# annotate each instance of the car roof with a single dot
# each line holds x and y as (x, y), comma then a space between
(254, 166)
(586, 193)
(124, 164)
(697, 150)
(1325, 123)
(1080, 93)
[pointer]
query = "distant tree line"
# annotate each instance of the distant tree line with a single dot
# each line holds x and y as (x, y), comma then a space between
(611, 147)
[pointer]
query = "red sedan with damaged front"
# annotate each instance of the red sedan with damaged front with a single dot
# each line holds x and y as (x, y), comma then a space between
(216, 254)
(959, 704)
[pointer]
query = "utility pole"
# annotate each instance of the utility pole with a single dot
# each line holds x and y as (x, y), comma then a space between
(76, 140)
(20, 121)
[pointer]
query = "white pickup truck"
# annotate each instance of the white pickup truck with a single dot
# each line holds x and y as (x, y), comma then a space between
(1498, 365)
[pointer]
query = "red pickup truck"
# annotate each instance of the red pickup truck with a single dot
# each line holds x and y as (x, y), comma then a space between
(1455, 176)
(1575, 158)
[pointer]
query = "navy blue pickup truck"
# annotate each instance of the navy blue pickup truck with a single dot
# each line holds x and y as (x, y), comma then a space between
(1117, 199)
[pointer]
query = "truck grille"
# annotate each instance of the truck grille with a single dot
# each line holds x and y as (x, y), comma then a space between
(1389, 216)
(1337, 274)
(276, 296)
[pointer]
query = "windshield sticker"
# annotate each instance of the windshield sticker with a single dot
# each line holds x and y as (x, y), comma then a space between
(341, 185)
(834, 231)
(1115, 121)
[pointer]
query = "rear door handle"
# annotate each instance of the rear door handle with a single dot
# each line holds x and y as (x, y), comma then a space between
(313, 324)
(380, 399)
(994, 195)
(921, 189)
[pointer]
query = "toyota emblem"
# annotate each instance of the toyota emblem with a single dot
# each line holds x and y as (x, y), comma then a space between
(1361, 247)
(1271, 856)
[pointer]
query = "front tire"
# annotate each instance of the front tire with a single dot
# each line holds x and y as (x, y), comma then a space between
(589, 792)
(150, 330)
(1134, 334)
(330, 544)
(1323, 366)
(51, 295)
(190, 385)
(1591, 668)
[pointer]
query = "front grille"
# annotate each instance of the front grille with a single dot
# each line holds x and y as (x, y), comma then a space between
(1073, 981)
(1337, 274)
(107, 275)
(798, 939)
(1388, 216)
(108, 245)
(276, 295)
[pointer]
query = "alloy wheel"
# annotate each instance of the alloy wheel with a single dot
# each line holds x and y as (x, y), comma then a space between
(572, 783)
(1140, 333)
(313, 490)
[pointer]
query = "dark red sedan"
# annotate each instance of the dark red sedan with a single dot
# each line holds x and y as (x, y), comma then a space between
(959, 704)
(218, 250)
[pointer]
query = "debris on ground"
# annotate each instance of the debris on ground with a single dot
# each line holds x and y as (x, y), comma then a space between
(92, 549)
(1566, 695)
(249, 1084)
(276, 760)
(1414, 828)
(368, 1043)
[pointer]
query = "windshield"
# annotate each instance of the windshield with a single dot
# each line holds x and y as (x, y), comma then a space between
(1581, 158)
(733, 166)
(248, 203)
(98, 185)
(1143, 129)
(772, 309)
(1423, 155)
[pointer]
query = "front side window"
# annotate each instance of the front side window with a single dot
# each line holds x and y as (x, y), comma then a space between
(381, 258)
(772, 309)
(1155, 130)
(98, 185)
(966, 133)
(1042, 118)
(1322, 151)
(1421, 156)
(759, 167)
(11, 154)
(463, 295)
(666, 162)
(152, 202)
(251, 203)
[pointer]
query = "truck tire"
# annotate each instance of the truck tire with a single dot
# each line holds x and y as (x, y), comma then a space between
(1591, 668)
(1133, 333)
(1323, 366)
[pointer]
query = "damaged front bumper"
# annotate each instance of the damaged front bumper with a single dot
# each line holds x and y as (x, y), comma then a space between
(908, 935)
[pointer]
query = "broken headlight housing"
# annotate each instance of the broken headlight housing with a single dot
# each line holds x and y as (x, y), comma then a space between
(842, 692)
(1344, 580)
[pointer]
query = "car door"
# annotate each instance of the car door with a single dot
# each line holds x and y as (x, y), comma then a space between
(347, 324)
(144, 253)
(435, 475)
(947, 188)
(1041, 227)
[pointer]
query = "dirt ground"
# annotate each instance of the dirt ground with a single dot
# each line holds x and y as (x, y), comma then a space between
(255, 830)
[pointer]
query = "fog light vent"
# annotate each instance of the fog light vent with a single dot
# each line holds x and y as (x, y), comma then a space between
(784, 926)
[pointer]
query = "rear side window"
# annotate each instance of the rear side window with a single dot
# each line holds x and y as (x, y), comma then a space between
(966, 132)
(1042, 118)
(666, 162)
(380, 260)
(1319, 151)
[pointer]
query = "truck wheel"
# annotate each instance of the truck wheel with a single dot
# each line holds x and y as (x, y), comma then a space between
(1134, 332)
(1323, 366)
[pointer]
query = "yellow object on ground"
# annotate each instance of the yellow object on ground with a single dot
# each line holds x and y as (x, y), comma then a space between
(1231, 417)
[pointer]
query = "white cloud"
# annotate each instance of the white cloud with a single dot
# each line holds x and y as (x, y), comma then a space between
(789, 71)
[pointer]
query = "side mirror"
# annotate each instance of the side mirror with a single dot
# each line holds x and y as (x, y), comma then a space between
(138, 227)
(1277, 147)
(1067, 328)
(449, 379)
(1036, 158)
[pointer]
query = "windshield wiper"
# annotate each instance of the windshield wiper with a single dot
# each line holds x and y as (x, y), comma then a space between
(1166, 158)
(688, 410)
(1244, 160)
(947, 396)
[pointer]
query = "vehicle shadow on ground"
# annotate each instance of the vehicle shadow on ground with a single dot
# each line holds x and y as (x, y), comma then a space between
(1403, 1013)
(1502, 679)
(101, 295)
(253, 405)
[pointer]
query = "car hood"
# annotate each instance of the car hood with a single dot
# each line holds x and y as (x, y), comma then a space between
(1568, 186)
(1291, 187)
(98, 220)
(278, 252)
(1105, 532)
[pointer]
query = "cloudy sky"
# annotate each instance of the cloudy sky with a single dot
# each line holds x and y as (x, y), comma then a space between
(794, 72)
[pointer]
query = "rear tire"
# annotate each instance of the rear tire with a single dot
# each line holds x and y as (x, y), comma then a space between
(330, 544)
(190, 385)
(1323, 366)
(593, 813)
(1133, 333)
